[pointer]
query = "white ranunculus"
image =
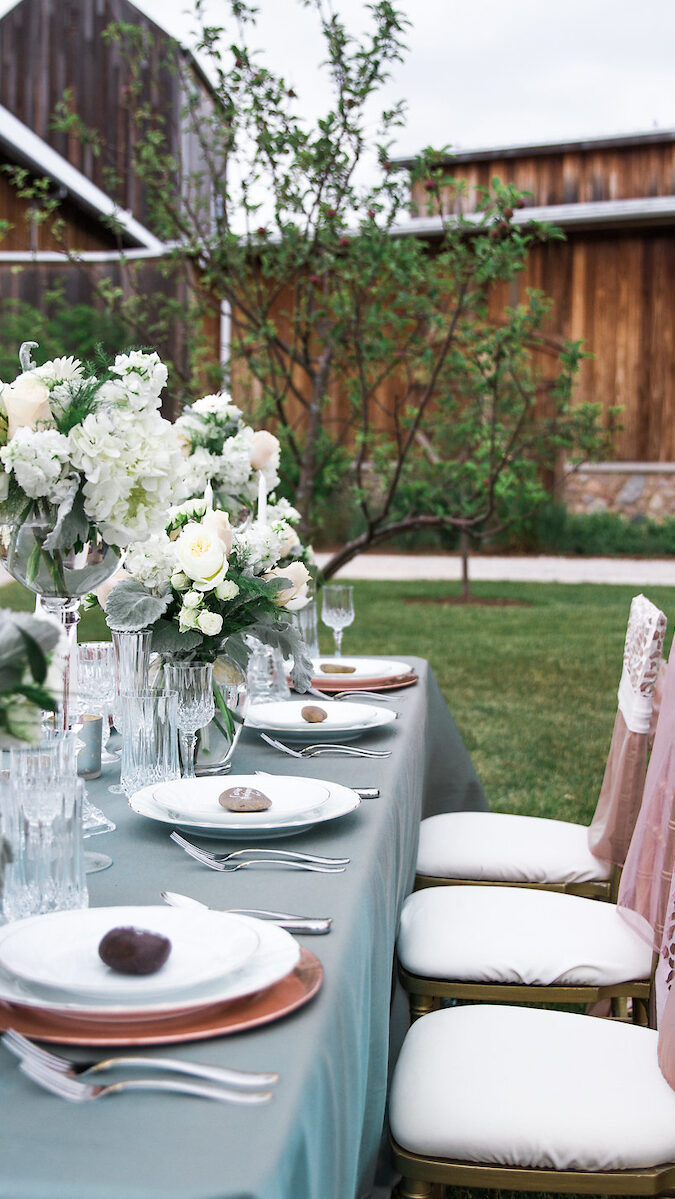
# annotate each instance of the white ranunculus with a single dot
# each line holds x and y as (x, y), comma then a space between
(26, 402)
(300, 579)
(210, 623)
(192, 599)
(219, 523)
(201, 555)
(226, 590)
(187, 619)
(264, 449)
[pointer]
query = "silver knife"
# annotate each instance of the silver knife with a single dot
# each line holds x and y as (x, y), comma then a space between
(316, 925)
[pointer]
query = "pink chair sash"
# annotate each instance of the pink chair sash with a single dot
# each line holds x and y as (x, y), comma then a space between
(646, 894)
(618, 805)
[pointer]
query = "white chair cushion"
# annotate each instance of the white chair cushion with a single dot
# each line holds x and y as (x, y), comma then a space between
(513, 935)
(526, 1087)
(507, 848)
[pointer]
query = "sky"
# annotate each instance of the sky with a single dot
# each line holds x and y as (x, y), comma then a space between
(490, 72)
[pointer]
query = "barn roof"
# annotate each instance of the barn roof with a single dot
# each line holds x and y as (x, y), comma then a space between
(614, 141)
(26, 149)
(606, 214)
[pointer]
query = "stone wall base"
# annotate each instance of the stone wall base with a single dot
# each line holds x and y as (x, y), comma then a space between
(633, 489)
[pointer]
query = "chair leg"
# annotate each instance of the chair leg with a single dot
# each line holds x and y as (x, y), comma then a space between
(420, 1005)
(409, 1189)
(641, 1012)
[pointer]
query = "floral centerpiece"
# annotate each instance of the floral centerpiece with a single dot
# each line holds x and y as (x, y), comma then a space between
(87, 457)
(89, 466)
(226, 454)
(202, 583)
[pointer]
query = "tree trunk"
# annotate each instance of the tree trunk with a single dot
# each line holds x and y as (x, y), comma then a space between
(465, 546)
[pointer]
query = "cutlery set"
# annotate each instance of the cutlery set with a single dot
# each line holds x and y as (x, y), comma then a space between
(311, 751)
(65, 1078)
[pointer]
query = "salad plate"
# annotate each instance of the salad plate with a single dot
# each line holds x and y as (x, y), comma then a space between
(343, 722)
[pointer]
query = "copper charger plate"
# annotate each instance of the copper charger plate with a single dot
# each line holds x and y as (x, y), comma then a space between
(341, 682)
(214, 1020)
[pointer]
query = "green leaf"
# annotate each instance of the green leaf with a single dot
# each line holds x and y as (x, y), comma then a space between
(167, 639)
(131, 607)
(36, 659)
(72, 525)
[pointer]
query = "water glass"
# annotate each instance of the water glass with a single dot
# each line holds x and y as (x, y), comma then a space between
(305, 622)
(337, 611)
(42, 821)
(194, 683)
(97, 685)
(150, 745)
(132, 662)
(266, 674)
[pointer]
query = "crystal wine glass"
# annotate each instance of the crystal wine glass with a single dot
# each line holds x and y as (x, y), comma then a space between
(96, 682)
(194, 683)
(337, 611)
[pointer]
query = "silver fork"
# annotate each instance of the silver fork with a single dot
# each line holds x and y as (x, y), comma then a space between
(354, 692)
(217, 861)
(311, 751)
(292, 855)
(25, 1050)
(77, 1091)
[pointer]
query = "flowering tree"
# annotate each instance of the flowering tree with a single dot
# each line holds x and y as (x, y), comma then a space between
(331, 300)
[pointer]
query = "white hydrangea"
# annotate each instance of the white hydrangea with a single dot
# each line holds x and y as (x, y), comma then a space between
(40, 460)
(198, 469)
(281, 509)
(217, 405)
(142, 376)
(152, 562)
(256, 549)
(234, 464)
(133, 470)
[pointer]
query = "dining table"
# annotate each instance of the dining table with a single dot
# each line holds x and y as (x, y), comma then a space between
(320, 1136)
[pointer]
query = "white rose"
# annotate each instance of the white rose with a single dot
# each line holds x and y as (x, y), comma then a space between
(219, 522)
(193, 599)
(26, 402)
(289, 538)
(187, 619)
(299, 577)
(179, 580)
(201, 555)
(264, 447)
(210, 623)
(226, 590)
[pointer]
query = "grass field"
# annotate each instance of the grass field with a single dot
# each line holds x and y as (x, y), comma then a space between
(532, 685)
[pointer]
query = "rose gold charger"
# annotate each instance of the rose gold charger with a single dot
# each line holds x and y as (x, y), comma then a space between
(193, 1024)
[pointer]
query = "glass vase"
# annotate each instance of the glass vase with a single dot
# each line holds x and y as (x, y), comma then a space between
(218, 740)
(58, 577)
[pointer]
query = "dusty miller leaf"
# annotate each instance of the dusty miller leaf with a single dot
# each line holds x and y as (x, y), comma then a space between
(130, 607)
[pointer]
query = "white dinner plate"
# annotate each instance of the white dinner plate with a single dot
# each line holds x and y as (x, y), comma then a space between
(197, 799)
(341, 800)
(344, 720)
(59, 951)
(360, 668)
(276, 954)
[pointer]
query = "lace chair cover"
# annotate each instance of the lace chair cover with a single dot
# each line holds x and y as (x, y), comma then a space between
(646, 893)
(619, 802)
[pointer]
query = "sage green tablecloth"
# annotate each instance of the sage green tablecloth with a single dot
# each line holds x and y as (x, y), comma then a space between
(319, 1138)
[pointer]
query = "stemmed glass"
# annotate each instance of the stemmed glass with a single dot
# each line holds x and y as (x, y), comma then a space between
(196, 707)
(337, 611)
(96, 682)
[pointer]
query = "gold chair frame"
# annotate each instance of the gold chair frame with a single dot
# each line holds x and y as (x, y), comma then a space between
(420, 1173)
(605, 889)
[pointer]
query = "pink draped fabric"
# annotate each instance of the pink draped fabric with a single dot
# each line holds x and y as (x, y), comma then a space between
(646, 893)
(620, 795)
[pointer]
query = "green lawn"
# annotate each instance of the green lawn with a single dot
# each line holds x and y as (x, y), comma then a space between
(532, 686)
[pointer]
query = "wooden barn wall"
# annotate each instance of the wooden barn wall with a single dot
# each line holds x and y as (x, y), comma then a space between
(80, 232)
(47, 46)
(30, 282)
(567, 177)
(614, 292)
